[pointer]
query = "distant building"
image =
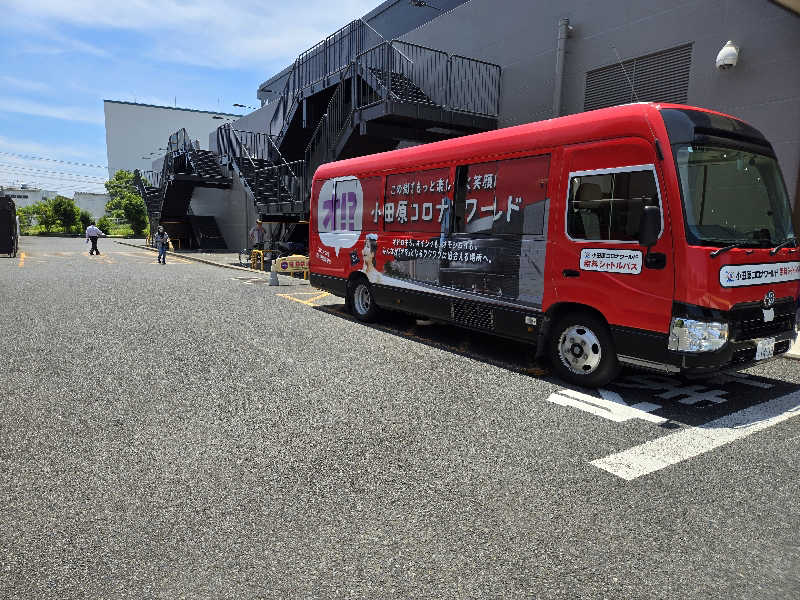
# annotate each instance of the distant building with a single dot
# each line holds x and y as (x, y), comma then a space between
(25, 196)
(136, 134)
(91, 202)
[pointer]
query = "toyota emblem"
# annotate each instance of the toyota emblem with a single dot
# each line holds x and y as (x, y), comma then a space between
(769, 300)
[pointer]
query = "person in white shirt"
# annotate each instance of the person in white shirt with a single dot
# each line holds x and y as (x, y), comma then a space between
(92, 233)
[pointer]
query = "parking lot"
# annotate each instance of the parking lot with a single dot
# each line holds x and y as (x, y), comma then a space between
(186, 430)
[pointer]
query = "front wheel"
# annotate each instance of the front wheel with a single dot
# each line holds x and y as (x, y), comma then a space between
(582, 350)
(362, 302)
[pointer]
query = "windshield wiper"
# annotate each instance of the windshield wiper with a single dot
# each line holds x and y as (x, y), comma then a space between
(739, 244)
(792, 241)
(718, 251)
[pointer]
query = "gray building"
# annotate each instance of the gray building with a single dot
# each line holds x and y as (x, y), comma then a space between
(481, 64)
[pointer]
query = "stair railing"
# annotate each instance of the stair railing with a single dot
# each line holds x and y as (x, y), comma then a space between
(405, 72)
(324, 59)
(329, 130)
(242, 152)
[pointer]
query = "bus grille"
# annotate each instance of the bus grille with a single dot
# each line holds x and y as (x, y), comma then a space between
(472, 315)
(747, 320)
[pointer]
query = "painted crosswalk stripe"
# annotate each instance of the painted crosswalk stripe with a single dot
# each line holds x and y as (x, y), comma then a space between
(685, 444)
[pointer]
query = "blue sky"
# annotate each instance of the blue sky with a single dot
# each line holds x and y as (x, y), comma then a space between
(60, 60)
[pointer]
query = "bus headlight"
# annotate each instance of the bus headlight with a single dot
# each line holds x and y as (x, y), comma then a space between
(688, 335)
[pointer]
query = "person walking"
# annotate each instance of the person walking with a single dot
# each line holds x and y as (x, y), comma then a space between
(162, 242)
(92, 233)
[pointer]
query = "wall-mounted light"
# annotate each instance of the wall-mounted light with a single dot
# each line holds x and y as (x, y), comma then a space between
(423, 4)
(728, 56)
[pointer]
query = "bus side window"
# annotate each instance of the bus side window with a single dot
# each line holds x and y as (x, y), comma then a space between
(325, 215)
(459, 197)
(372, 187)
(520, 190)
(475, 199)
(609, 206)
(345, 206)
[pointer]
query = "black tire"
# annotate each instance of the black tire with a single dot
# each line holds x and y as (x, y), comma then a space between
(362, 300)
(582, 351)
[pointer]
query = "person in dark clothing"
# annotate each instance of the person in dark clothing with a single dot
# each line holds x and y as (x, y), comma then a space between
(162, 242)
(92, 233)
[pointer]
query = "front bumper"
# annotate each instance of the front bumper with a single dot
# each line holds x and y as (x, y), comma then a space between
(747, 328)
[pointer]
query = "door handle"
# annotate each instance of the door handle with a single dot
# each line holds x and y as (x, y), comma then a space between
(570, 273)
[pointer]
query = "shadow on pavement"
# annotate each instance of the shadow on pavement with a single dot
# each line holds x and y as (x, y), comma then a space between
(681, 401)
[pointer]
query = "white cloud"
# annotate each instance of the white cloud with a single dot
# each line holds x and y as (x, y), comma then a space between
(203, 32)
(25, 85)
(53, 111)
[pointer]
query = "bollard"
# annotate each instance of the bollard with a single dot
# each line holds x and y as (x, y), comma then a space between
(273, 277)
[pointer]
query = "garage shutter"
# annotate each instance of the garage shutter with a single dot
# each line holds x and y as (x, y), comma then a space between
(659, 77)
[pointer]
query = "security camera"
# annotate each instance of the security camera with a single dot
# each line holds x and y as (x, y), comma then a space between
(728, 56)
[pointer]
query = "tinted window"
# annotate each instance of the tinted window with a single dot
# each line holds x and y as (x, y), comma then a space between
(418, 201)
(609, 206)
(502, 197)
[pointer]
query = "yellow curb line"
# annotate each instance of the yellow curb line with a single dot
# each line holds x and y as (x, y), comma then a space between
(309, 302)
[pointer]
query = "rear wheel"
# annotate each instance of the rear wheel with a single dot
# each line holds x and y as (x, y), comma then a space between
(362, 302)
(582, 350)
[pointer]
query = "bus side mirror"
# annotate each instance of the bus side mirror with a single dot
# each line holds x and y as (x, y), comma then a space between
(649, 226)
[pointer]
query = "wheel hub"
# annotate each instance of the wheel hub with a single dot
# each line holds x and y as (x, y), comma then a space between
(579, 349)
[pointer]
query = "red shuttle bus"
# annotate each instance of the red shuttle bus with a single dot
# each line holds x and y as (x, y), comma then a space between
(651, 235)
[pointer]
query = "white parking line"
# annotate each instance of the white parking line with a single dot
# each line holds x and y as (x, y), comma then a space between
(671, 449)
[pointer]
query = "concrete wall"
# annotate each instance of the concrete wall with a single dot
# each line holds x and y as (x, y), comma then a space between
(134, 131)
(257, 121)
(520, 36)
(93, 203)
(234, 212)
(25, 196)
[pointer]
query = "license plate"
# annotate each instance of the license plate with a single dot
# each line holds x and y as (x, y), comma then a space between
(765, 348)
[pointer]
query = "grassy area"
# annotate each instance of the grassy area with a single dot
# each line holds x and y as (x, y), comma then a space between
(121, 230)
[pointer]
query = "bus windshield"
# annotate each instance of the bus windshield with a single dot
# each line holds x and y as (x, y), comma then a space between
(732, 196)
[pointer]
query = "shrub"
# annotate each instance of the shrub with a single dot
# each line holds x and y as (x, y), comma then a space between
(105, 225)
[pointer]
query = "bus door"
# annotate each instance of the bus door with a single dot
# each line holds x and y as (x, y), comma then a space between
(499, 234)
(596, 258)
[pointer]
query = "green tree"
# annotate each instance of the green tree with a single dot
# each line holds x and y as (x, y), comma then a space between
(86, 219)
(65, 212)
(44, 214)
(26, 215)
(126, 202)
(136, 214)
(105, 224)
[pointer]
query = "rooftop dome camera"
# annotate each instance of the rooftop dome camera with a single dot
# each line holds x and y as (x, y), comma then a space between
(728, 56)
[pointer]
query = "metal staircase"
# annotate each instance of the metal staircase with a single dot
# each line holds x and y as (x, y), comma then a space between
(168, 194)
(148, 184)
(368, 98)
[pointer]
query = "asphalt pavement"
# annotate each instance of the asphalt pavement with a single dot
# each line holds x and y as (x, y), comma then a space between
(188, 431)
